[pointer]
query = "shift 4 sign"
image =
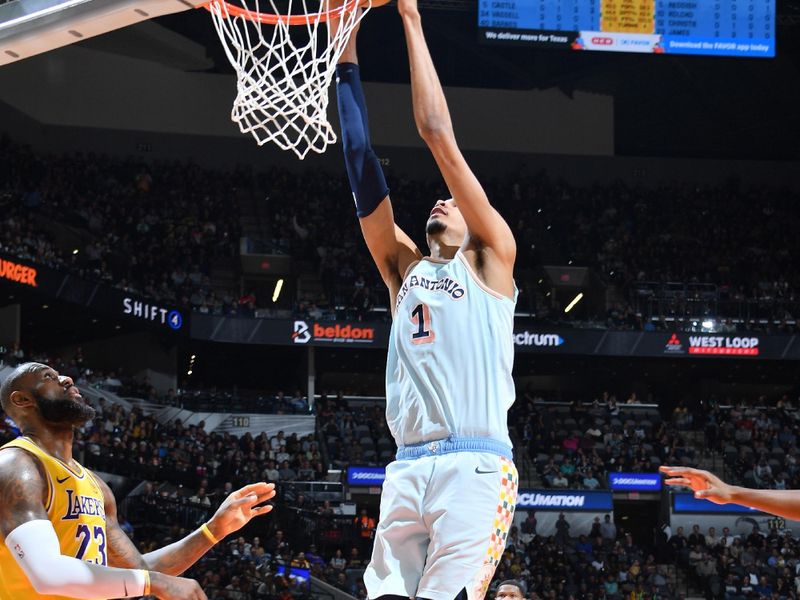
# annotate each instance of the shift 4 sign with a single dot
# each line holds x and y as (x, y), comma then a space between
(152, 313)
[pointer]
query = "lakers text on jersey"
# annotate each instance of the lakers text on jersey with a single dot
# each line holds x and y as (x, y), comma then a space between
(76, 509)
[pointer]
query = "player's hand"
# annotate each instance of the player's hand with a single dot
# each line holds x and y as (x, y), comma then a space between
(240, 507)
(704, 484)
(167, 587)
(407, 7)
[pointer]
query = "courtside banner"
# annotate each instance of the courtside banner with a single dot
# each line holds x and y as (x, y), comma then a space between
(564, 500)
(728, 346)
(26, 277)
(365, 476)
(290, 332)
(687, 503)
(635, 482)
(29, 277)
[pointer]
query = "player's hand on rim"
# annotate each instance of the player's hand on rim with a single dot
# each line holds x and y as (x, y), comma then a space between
(704, 484)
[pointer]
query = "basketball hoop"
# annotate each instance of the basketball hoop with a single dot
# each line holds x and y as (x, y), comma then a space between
(283, 68)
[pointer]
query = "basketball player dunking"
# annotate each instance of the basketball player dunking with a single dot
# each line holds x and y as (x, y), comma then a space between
(58, 521)
(449, 497)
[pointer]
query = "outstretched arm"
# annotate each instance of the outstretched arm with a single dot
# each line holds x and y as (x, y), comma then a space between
(32, 541)
(232, 515)
(390, 247)
(784, 503)
(487, 229)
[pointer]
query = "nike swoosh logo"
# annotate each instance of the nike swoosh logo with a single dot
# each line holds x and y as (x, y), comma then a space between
(62, 480)
(125, 585)
(479, 472)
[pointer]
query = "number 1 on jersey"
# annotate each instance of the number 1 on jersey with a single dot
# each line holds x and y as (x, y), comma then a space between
(421, 317)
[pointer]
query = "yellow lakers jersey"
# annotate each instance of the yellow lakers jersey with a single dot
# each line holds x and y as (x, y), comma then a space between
(76, 510)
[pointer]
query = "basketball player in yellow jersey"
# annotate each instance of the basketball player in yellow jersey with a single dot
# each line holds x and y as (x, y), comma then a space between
(59, 536)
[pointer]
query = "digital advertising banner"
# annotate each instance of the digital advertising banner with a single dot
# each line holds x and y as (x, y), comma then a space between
(743, 28)
(528, 336)
(686, 502)
(564, 500)
(105, 299)
(635, 482)
(365, 476)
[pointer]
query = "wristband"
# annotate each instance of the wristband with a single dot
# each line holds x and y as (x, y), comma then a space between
(207, 532)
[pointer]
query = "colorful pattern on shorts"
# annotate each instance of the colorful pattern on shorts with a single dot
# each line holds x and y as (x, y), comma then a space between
(502, 524)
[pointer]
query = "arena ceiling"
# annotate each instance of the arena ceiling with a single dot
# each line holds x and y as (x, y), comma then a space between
(664, 105)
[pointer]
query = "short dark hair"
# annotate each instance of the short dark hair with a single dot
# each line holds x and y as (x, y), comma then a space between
(13, 382)
(513, 582)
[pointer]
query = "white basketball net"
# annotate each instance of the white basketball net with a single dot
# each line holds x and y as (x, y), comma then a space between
(283, 71)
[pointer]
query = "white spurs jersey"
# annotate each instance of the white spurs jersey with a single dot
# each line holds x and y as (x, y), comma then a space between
(451, 352)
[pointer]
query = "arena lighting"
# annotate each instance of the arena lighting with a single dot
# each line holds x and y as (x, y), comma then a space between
(277, 292)
(575, 300)
(75, 251)
(43, 12)
(708, 324)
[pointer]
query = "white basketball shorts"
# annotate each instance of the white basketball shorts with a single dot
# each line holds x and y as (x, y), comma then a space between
(443, 525)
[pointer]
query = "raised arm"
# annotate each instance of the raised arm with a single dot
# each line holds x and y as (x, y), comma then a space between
(32, 541)
(175, 559)
(784, 503)
(391, 248)
(487, 229)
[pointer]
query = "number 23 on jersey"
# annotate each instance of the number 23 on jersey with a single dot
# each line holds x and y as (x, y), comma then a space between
(421, 318)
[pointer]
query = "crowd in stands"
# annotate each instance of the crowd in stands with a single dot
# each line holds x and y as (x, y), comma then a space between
(759, 442)
(157, 228)
(151, 229)
(605, 564)
(761, 564)
(355, 434)
(130, 443)
(249, 566)
(630, 235)
(576, 445)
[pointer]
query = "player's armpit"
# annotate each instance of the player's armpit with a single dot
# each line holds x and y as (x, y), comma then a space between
(391, 248)
(23, 489)
(121, 550)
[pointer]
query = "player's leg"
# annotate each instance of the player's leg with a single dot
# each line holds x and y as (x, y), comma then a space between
(469, 508)
(401, 538)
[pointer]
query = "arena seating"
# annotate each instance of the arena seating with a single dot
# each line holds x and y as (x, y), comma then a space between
(154, 229)
(758, 442)
(189, 472)
(186, 225)
(575, 445)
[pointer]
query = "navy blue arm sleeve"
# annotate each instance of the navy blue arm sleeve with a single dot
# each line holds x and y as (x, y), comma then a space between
(363, 168)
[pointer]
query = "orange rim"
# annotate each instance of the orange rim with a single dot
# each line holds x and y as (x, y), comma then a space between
(272, 19)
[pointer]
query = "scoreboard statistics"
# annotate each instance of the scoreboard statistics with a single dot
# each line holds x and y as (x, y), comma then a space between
(712, 27)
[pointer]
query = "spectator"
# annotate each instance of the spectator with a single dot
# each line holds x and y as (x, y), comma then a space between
(608, 530)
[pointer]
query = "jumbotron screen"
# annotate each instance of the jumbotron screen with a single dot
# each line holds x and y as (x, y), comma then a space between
(711, 27)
